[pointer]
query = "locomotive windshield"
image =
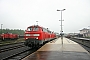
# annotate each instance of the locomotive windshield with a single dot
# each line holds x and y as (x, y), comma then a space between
(29, 29)
(35, 29)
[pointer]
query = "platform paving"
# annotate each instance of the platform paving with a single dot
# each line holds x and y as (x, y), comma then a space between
(54, 50)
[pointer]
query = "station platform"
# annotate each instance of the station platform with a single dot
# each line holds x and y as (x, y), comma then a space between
(55, 50)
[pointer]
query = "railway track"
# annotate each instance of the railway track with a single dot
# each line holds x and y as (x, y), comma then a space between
(11, 45)
(15, 51)
(11, 42)
(20, 55)
(83, 45)
(10, 48)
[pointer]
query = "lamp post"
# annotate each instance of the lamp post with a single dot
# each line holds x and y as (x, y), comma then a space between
(1, 28)
(61, 24)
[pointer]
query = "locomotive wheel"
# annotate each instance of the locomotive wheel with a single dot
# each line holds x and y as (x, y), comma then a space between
(41, 44)
(38, 45)
(26, 43)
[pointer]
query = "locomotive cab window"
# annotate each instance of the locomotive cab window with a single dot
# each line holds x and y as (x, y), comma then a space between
(29, 29)
(45, 30)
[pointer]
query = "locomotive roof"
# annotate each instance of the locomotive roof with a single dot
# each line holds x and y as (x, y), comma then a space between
(40, 27)
(36, 26)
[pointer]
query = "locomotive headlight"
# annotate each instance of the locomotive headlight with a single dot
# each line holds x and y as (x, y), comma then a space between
(26, 38)
(27, 35)
(36, 34)
(37, 38)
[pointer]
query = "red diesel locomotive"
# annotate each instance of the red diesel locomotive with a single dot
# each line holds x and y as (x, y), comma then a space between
(6, 36)
(36, 35)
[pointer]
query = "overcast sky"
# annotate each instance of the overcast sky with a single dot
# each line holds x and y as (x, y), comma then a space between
(19, 14)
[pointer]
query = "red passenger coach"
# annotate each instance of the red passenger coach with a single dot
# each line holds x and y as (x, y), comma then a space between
(36, 35)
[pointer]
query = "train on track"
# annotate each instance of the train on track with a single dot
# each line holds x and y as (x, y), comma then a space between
(8, 36)
(36, 35)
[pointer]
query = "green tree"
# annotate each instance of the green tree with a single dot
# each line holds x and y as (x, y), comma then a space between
(13, 31)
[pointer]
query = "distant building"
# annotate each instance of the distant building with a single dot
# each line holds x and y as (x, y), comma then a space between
(85, 32)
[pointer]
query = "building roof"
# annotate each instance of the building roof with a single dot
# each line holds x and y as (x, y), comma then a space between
(84, 29)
